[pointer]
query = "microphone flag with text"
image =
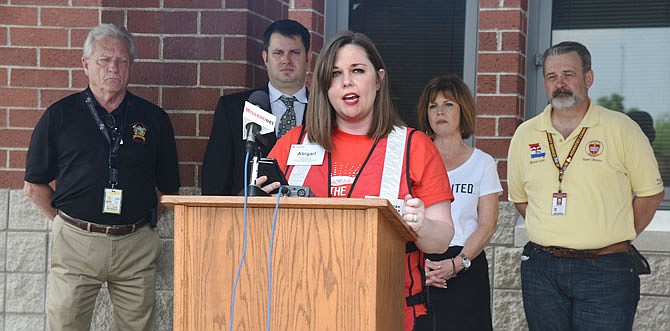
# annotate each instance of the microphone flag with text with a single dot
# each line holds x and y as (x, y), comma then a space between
(255, 120)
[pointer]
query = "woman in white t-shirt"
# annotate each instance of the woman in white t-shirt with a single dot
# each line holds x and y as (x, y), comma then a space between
(457, 280)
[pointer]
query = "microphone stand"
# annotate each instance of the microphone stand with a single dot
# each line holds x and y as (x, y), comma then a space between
(252, 189)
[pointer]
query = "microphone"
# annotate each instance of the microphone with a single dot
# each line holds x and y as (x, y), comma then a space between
(255, 120)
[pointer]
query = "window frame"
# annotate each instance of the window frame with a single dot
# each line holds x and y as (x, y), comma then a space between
(337, 19)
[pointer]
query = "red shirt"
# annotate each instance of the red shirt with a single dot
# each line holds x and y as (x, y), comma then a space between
(355, 170)
(428, 176)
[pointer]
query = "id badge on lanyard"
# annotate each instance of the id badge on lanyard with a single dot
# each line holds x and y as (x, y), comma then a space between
(558, 204)
(112, 197)
(559, 200)
(112, 201)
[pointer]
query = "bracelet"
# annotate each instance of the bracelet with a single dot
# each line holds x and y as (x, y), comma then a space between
(453, 264)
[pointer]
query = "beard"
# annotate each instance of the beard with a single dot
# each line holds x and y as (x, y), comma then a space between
(564, 99)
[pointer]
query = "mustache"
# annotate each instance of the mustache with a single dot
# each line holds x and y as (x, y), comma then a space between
(561, 92)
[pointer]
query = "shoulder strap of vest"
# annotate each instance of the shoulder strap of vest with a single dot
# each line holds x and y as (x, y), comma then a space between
(392, 172)
(410, 246)
(407, 159)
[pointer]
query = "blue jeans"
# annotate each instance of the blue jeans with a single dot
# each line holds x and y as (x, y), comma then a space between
(579, 294)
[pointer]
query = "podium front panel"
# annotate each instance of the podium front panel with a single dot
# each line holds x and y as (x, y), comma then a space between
(332, 268)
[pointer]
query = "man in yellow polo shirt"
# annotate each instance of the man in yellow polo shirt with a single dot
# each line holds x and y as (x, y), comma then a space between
(587, 183)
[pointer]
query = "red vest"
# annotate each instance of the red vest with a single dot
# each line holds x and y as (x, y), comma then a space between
(368, 184)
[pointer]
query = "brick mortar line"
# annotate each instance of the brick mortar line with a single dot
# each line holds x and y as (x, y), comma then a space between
(489, 116)
(76, 88)
(516, 9)
(190, 61)
(494, 137)
(498, 95)
(199, 34)
(506, 73)
(180, 9)
(20, 149)
(188, 111)
(39, 88)
(501, 74)
(42, 68)
(14, 149)
(521, 32)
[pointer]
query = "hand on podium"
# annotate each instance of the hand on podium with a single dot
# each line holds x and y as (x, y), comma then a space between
(413, 212)
(432, 225)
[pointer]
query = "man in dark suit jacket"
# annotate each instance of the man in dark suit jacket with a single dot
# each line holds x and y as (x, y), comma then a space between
(285, 56)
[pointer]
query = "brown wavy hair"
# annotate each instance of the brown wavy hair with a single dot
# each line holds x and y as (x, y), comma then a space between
(320, 119)
(455, 89)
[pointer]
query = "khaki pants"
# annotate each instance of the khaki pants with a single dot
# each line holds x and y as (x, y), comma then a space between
(81, 261)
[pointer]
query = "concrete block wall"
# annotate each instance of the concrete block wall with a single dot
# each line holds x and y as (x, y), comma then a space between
(653, 311)
(24, 258)
(25, 237)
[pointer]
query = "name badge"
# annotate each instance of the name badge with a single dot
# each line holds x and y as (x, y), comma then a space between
(112, 201)
(310, 154)
(558, 204)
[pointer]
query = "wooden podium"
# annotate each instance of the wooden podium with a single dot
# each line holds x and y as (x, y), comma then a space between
(338, 264)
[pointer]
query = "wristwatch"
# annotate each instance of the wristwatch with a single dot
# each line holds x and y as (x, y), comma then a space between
(466, 261)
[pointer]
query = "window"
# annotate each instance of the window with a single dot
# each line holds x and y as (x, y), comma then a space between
(629, 43)
(417, 42)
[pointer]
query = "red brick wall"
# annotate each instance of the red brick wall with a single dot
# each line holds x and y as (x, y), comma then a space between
(189, 53)
(188, 56)
(501, 77)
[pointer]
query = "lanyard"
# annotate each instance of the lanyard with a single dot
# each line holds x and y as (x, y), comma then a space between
(571, 154)
(114, 141)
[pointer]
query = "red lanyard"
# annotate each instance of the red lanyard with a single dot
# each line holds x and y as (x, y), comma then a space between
(554, 155)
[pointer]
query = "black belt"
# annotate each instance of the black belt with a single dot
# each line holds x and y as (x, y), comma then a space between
(619, 247)
(112, 230)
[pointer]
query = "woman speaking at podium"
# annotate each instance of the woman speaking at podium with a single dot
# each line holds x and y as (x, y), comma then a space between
(355, 145)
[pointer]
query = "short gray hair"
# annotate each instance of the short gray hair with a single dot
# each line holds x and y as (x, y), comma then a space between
(567, 47)
(107, 30)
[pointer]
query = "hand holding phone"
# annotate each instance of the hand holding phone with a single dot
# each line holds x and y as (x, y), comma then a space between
(270, 168)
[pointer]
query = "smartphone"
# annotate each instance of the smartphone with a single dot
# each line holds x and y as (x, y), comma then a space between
(269, 167)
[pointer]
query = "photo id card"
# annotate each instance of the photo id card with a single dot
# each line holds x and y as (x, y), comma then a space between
(112, 201)
(558, 204)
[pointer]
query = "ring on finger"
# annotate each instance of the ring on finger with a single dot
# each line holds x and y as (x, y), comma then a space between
(415, 217)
